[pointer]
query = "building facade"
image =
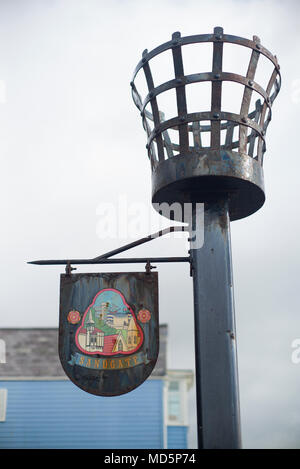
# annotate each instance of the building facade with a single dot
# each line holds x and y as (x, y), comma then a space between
(41, 408)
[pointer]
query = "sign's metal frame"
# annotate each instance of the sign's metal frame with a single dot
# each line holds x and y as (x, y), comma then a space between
(105, 258)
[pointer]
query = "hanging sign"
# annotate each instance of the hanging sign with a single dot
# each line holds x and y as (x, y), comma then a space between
(108, 330)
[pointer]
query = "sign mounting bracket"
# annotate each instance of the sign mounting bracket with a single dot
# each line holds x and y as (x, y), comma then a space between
(106, 258)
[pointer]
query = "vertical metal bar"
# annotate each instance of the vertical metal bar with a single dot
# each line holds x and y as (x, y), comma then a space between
(247, 97)
(216, 89)
(229, 135)
(196, 135)
(166, 138)
(254, 134)
(154, 107)
(215, 342)
(260, 146)
(180, 94)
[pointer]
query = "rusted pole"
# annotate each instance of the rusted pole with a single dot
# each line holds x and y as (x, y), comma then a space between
(215, 337)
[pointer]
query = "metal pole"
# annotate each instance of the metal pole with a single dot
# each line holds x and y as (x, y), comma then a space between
(215, 343)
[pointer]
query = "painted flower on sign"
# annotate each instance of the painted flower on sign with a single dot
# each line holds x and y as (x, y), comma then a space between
(144, 315)
(73, 317)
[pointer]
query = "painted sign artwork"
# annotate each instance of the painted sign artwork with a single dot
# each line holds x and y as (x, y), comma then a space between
(109, 326)
(108, 333)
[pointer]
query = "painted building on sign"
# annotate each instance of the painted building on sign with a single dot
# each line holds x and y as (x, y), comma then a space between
(123, 337)
(34, 389)
(109, 326)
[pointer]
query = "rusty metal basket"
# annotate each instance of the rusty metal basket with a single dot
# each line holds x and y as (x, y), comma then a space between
(188, 171)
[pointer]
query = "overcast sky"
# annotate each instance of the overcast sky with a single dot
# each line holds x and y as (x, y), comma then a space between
(71, 140)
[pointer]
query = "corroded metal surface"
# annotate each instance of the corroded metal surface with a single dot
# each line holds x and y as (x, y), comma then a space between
(109, 330)
(240, 179)
(245, 151)
(215, 345)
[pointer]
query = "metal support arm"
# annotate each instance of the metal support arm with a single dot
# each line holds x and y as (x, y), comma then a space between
(105, 258)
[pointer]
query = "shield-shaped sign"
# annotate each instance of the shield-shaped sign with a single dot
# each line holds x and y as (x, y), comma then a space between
(109, 330)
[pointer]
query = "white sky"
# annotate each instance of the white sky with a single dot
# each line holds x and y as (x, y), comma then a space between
(71, 139)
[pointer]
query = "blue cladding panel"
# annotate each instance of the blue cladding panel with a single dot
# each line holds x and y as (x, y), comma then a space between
(177, 437)
(57, 414)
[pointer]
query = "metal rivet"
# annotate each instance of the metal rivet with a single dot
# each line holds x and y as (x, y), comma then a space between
(250, 82)
(217, 76)
(178, 81)
(182, 119)
(150, 94)
(144, 60)
(244, 119)
(131, 84)
(174, 43)
(218, 36)
(258, 46)
(216, 115)
(147, 146)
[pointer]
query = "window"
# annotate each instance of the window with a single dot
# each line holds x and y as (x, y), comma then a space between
(174, 403)
(120, 346)
(3, 401)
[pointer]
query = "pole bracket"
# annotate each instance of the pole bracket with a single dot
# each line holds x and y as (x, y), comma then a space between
(106, 258)
(69, 268)
(149, 267)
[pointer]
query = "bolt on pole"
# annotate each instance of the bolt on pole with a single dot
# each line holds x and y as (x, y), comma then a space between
(226, 175)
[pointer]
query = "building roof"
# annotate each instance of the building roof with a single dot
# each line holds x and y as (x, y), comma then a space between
(109, 342)
(34, 353)
(90, 319)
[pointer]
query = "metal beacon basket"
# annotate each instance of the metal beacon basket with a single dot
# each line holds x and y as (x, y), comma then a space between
(232, 161)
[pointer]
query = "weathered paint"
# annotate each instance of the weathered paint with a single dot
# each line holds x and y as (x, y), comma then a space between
(191, 178)
(109, 351)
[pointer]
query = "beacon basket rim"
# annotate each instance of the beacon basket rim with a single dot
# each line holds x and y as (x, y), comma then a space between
(249, 124)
